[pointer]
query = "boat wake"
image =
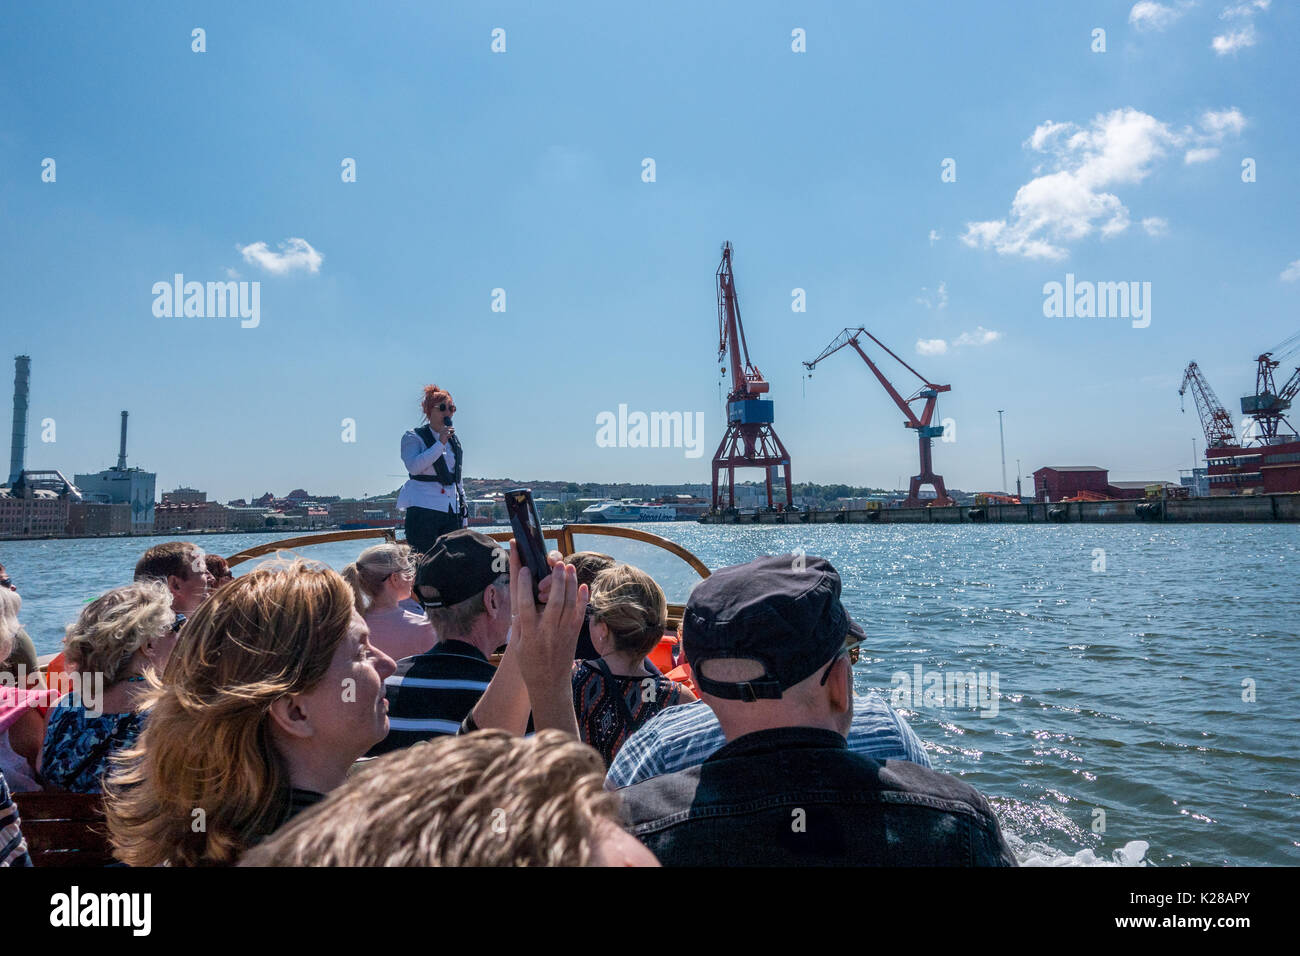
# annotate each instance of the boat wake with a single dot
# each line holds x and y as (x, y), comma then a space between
(1132, 853)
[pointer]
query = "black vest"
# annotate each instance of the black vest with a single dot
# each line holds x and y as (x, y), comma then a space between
(440, 472)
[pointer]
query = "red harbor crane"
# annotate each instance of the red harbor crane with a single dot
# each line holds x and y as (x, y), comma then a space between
(1269, 402)
(750, 441)
(925, 432)
(1214, 417)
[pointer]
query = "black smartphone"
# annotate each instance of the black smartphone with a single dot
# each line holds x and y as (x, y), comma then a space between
(528, 534)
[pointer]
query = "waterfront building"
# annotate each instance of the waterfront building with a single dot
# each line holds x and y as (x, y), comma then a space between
(42, 514)
(184, 496)
(134, 486)
(94, 518)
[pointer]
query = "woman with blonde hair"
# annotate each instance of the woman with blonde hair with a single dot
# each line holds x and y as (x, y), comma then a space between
(381, 578)
(615, 693)
(273, 694)
(116, 643)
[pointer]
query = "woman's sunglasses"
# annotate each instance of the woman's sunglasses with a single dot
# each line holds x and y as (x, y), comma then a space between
(447, 407)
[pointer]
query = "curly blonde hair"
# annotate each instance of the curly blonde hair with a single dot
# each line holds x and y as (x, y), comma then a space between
(629, 602)
(207, 743)
(111, 628)
(486, 799)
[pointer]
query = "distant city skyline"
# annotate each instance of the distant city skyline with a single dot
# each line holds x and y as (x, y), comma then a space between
(376, 200)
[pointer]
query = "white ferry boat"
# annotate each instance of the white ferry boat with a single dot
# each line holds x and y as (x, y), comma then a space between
(627, 510)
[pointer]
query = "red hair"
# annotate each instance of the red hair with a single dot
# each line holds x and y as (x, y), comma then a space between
(433, 397)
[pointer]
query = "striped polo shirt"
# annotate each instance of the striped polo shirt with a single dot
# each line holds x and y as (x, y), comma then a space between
(430, 694)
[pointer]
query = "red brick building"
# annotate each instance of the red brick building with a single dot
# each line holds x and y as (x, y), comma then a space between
(1261, 469)
(1054, 482)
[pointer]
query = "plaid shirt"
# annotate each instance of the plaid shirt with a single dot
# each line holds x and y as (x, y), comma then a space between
(689, 734)
(13, 849)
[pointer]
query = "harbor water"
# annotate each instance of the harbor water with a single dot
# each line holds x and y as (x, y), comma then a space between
(1121, 693)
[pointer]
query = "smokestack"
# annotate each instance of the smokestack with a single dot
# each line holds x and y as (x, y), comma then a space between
(22, 372)
(121, 452)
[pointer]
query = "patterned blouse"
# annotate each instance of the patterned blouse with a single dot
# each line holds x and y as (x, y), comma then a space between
(13, 848)
(77, 745)
(610, 708)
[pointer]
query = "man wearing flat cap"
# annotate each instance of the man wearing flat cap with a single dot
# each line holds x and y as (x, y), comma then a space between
(465, 590)
(769, 644)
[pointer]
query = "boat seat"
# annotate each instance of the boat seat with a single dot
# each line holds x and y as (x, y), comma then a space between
(64, 829)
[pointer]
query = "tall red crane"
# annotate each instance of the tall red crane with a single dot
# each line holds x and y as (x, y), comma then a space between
(1269, 402)
(925, 432)
(750, 441)
(1214, 417)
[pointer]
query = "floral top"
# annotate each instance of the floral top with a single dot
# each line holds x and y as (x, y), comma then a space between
(78, 745)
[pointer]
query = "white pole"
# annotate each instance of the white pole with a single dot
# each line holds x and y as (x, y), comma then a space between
(1002, 439)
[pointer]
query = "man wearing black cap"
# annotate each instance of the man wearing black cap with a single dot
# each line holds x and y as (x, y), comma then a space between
(464, 586)
(769, 643)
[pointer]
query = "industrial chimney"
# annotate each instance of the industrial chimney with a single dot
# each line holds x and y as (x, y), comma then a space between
(121, 451)
(22, 372)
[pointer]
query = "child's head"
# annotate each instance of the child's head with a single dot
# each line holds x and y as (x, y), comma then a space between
(631, 607)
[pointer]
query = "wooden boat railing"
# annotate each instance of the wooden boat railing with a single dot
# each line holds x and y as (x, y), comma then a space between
(562, 536)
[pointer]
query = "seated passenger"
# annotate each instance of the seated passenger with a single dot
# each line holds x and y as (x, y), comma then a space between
(587, 564)
(615, 693)
(117, 641)
(770, 649)
(219, 569)
(13, 848)
(21, 724)
(687, 736)
(486, 799)
(463, 585)
(271, 695)
(181, 567)
(381, 579)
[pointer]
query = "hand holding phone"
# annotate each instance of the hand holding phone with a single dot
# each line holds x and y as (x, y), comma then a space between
(528, 535)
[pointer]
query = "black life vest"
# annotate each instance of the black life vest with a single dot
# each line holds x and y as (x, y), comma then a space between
(441, 473)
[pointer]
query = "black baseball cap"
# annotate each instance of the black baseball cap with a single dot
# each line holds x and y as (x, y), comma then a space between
(460, 564)
(783, 612)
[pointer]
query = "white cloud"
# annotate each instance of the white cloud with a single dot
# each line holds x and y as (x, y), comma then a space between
(1200, 155)
(934, 236)
(1076, 197)
(1155, 226)
(1219, 123)
(931, 346)
(1148, 15)
(981, 336)
(1292, 272)
(1248, 8)
(232, 273)
(294, 254)
(1234, 40)
(938, 301)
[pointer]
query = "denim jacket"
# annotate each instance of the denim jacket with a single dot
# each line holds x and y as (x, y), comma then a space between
(797, 796)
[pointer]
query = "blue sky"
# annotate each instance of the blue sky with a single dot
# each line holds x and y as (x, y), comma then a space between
(522, 171)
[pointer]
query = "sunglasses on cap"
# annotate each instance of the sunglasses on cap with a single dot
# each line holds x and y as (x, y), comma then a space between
(851, 647)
